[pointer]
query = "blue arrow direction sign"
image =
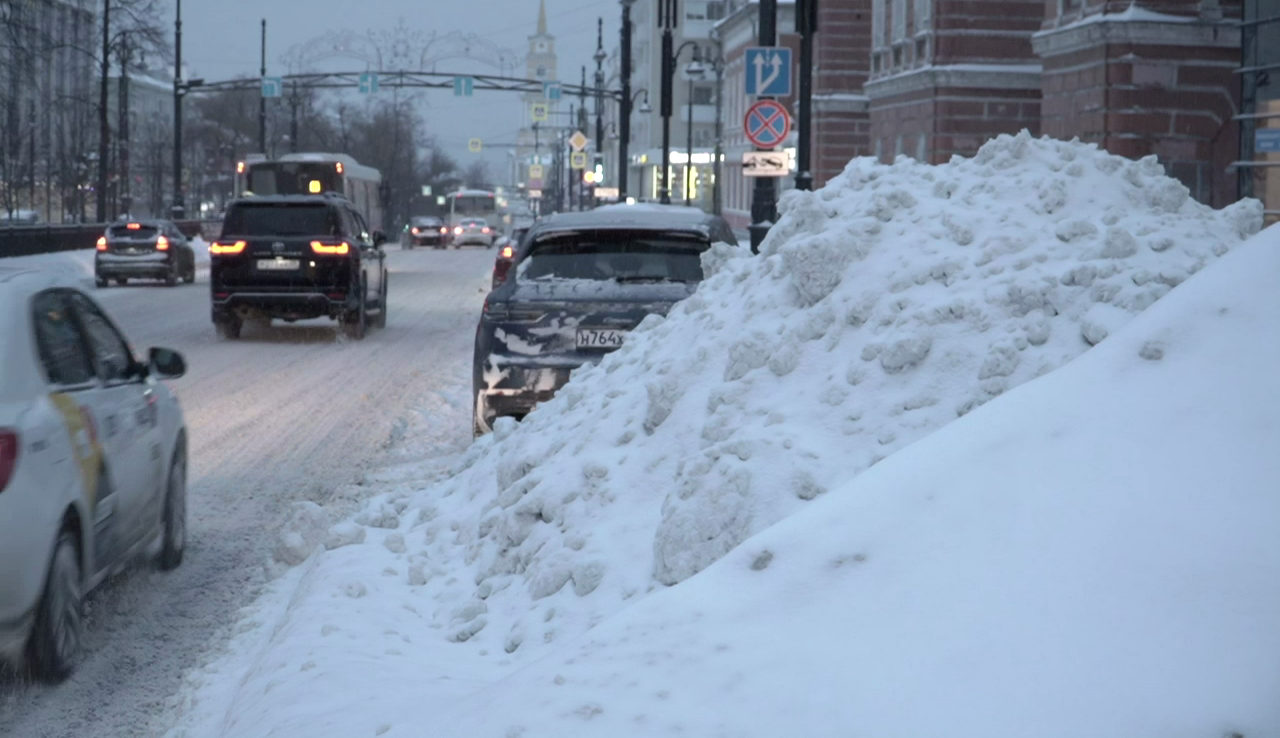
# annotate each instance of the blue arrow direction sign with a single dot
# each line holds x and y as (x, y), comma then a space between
(1266, 140)
(463, 86)
(768, 72)
(272, 87)
(368, 83)
(551, 90)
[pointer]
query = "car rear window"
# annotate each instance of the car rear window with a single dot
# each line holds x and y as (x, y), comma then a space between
(625, 256)
(142, 231)
(281, 219)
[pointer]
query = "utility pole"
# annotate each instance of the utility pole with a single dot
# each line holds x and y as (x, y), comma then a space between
(104, 121)
(764, 205)
(262, 101)
(179, 209)
(122, 137)
(624, 108)
(599, 57)
(806, 26)
(582, 126)
(294, 100)
(667, 21)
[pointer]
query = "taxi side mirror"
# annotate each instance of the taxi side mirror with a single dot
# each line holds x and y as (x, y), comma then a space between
(166, 363)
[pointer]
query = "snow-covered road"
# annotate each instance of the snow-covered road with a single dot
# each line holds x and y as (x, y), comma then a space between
(288, 413)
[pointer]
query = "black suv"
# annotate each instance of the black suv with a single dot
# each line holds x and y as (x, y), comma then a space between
(297, 257)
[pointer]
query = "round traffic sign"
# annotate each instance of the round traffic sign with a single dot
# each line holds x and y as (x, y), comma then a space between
(767, 123)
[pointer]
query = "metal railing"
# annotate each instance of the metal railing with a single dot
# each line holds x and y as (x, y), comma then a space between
(47, 239)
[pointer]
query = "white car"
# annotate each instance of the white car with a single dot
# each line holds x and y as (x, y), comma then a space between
(473, 230)
(93, 464)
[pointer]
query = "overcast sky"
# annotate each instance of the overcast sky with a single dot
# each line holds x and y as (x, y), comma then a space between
(221, 41)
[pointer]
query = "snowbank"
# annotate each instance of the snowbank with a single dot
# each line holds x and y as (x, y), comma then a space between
(1094, 554)
(882, 308)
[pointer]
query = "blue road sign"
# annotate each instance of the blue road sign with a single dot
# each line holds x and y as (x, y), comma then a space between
(1266, 140)
(767, 124)
(551, 90)
(272, 87)
(463, 86)
(368, 83)
(768, 71)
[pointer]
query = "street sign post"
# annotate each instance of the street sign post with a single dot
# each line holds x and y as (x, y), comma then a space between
(1266, 140)
(538, 112)
(768, 72)
(272, 86)
(463, 86)
(475, 145)
(764, 164)
(552, 90)
(368, 83)
(578, 141)
(767, 124)
(578, 160)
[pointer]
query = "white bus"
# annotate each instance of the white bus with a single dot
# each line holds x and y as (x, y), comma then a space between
(304, 174)
(465, 204)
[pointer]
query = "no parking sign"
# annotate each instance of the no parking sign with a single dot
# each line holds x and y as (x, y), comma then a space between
(767, 124)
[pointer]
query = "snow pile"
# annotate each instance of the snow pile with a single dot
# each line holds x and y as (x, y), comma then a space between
(1092, 555)
(883, 307)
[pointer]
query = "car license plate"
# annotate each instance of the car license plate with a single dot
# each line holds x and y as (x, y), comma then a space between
(278, 265)
(598, 338)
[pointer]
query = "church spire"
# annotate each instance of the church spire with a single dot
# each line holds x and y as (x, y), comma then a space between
(542, 17)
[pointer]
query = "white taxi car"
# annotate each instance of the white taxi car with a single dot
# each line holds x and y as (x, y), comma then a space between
(473, 231)
(93, 464)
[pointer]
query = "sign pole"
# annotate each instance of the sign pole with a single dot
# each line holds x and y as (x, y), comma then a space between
(807, 25)
(764, 208)
(262, 100)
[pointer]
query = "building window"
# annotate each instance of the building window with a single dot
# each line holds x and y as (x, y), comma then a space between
(704, 95)
(922, 148)
(922, 50)
(897, 56)
(899, 20)
(924, 10)
(877, 23)
(716, 10)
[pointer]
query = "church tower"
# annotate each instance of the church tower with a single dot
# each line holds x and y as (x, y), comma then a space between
(540, 65)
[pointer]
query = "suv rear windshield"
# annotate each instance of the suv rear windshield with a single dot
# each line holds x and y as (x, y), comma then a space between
(281, 219)
(626, 256)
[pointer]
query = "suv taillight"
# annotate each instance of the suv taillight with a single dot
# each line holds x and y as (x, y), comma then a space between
(335, 249)
(8, 455)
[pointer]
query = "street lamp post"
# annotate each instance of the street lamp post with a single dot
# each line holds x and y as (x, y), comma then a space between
(262, 101)
(806, 26)
(180, 89)
(624, 107)
(695, 71)
(764, 206)
(669, 63)
(600, 56)
(717, 64)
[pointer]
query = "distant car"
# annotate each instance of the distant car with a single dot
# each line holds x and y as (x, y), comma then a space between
(427, 231)
(93, 464)
(144, 249)
(507, 255)
(577, 284)
(297, 257)
(473, 231)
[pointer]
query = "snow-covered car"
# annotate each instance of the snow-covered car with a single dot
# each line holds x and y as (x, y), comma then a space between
(145, 249)
(93, 464)
(579, 282)
(473, 231)
(507, 247)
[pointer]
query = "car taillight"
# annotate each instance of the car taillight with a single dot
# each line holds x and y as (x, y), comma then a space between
(8, 455)
(227, 248)
(508, 252)
(334, 249)
(485, 229)
(414, 231)
(162, 244)
(102, 243)
(458, 230)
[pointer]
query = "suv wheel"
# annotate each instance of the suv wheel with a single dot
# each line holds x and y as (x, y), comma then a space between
(171, 279)
(355, 323)
(381, 320)
(55, 641)
(228, 328)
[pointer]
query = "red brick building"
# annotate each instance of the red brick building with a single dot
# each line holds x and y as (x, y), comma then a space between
(946, 75)
(1151, 79)
(842, 62)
